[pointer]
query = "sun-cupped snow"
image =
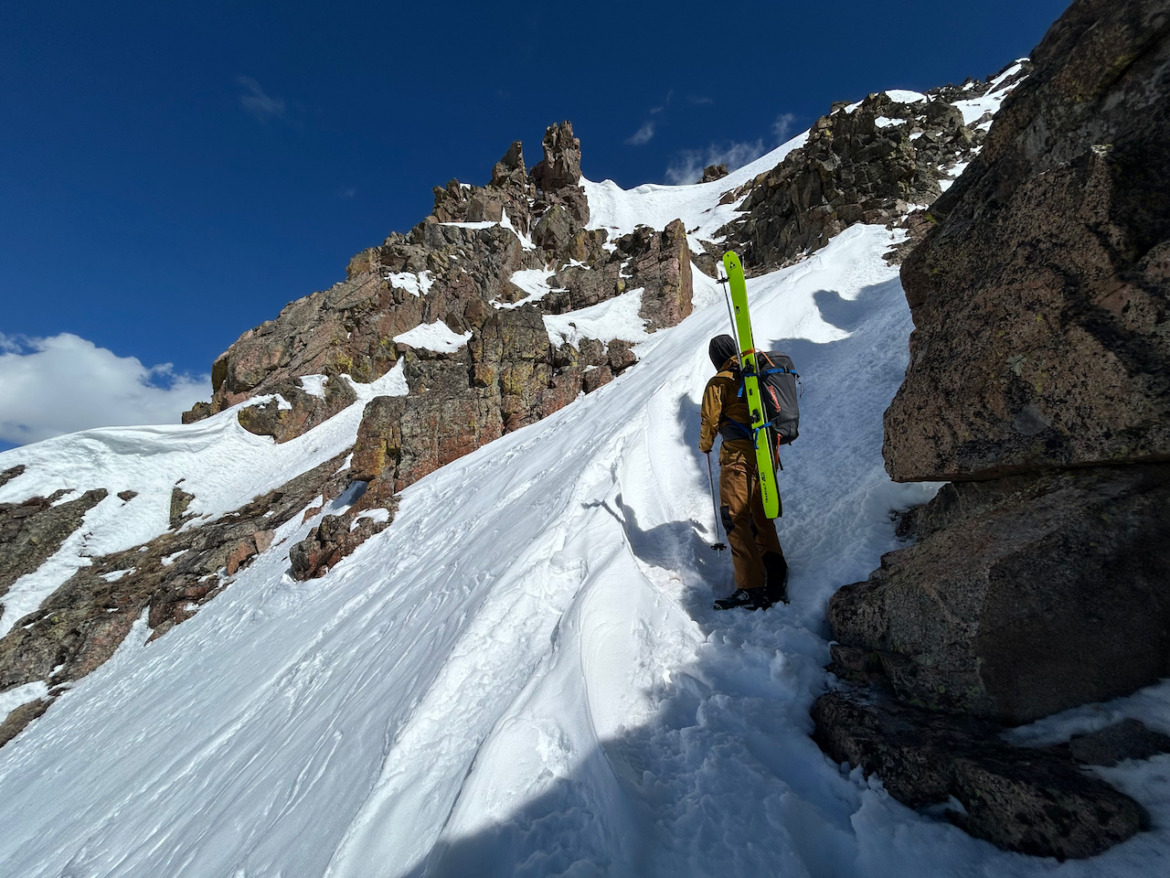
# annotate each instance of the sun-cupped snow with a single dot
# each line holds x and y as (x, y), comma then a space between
(523, 674)
(437, 336)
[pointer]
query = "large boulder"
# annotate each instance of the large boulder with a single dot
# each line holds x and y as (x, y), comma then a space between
(1040, 300)
(1033, 801)
(664, 270)
(293, 410)
(1023, 597)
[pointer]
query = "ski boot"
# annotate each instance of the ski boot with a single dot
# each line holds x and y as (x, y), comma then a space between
(777, 570)
(748, 598)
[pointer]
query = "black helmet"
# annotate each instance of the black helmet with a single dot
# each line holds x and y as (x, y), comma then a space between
(722, 349)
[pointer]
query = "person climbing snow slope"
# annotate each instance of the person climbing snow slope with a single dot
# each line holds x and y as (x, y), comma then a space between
(761, 573)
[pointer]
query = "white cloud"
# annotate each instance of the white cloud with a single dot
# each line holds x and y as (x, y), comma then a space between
(782, 127)
(687, 166)
(50, 386)
(258, 102)
(642, 135)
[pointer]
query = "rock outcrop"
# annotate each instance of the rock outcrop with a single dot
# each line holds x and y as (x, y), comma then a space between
(457, 271)
(870, 163)
(1023, 597)
(1036, 801)
(31, 532)
(489, 264)
(1038, 383)
(1040, 301)
(84, 621)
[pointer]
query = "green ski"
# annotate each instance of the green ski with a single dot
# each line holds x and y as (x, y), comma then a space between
(765, 446)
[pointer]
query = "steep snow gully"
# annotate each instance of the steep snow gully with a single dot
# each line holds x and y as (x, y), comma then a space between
(523, 675)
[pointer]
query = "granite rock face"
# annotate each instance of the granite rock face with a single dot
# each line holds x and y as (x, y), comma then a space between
(1040, 301)
(1023, 597)
(866, 163)
(1036, 801)
(1038, 383)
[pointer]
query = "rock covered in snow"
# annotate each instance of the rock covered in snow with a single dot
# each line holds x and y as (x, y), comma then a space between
(32, 531)
(81, 624)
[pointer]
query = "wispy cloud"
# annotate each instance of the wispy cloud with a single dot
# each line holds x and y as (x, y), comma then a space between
(643, 135)
(646, 133)
(687, 166)
(347, 192)
(64, 383)
(654, 111)
(700, 100)
(258, 102)
(782, 127)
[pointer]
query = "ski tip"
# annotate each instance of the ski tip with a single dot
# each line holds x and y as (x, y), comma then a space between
(730, 261)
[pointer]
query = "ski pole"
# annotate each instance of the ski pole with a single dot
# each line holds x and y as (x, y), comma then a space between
(714, 506)
(730, 313)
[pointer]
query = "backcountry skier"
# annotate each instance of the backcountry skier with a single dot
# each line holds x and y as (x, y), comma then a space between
(761, 573)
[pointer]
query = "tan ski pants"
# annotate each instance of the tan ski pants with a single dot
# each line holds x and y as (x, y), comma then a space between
(750, 533)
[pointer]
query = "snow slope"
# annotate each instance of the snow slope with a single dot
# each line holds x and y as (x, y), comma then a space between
(523, 675)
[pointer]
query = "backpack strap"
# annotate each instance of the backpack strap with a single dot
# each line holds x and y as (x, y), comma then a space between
(730, 429)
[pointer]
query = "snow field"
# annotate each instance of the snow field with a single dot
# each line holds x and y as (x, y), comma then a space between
(523, 675)
(218, 461)
(620, 211)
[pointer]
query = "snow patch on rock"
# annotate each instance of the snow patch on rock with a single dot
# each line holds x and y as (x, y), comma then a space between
(437, 336)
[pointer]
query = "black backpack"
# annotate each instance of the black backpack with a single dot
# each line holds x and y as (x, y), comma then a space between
(777, 380)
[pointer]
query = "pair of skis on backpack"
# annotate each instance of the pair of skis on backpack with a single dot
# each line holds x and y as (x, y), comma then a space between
(769, 385)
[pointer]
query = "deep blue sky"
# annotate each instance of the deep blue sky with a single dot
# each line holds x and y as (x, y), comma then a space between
(172, 173)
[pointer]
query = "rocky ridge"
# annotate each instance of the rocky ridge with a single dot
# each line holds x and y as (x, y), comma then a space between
(879, 161)
(458, 269)
(1037, 383)
(488, 266)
